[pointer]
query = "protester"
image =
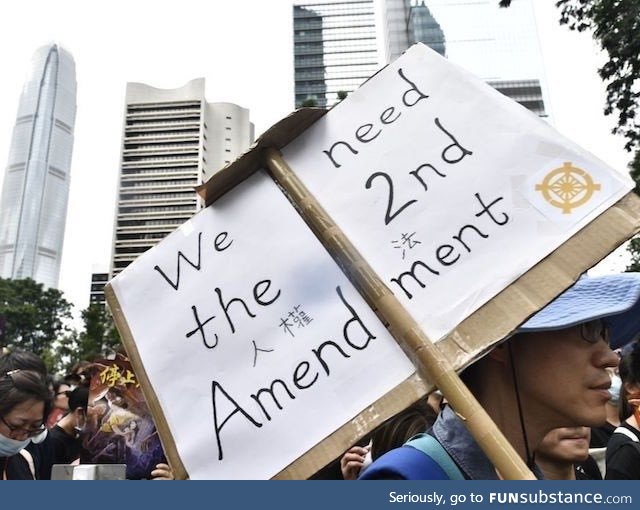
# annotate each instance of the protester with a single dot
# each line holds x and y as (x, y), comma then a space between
(563, 454)
(623, 449)
(65, 435)
(24, 402)
(391, 434)
(600, 435)
(60, 402)
(563, 346)
(38, 453)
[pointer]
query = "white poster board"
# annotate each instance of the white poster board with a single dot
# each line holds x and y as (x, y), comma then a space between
(448, 189)
(255, 343)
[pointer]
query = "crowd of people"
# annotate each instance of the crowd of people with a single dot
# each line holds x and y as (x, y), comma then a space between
(564, 390)
(42, 420)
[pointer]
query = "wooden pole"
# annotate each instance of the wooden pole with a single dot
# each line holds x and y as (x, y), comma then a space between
(429, 361)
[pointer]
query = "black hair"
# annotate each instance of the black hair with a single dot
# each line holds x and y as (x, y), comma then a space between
(18, 386)
(22, 360)
(629, 370)
(78, 398)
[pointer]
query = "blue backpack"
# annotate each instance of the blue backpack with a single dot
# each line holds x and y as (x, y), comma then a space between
(420, 458)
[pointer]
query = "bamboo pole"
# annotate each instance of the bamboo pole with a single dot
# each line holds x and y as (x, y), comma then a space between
(429, 361)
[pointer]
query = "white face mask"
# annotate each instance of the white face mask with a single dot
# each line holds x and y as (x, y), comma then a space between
(80, 428)
(614, 391)
(9, 447)
(40, 437)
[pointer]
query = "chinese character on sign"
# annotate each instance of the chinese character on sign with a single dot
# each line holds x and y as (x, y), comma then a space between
(406, 242)
(256, 350)
(296, 317)
(110, 376)
(113, 376)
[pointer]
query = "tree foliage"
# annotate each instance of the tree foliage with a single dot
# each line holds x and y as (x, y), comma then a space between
(615, 25)
(99, 338)
(34, 319)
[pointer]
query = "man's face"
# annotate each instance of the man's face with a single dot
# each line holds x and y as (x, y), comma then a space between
(562, 378)
(565, 444)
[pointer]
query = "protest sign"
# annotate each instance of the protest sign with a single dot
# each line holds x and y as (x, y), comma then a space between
(466, 214)
(255, 343)
(448, 189)
(119, 428)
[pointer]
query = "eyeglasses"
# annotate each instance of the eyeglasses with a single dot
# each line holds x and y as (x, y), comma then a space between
(21, 431)
(594, 331)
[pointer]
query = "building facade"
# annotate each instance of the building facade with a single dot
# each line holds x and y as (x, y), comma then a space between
(33, 206)
(335, 49)
(96, 292)
(496, 44)
(173, 141)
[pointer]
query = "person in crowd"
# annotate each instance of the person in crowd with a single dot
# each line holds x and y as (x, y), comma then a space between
(565, 345)
(391, 434)
(563, 454)
(60, 402)
(38, 452)
(600, 435)
(623, 449)
(65, 435)
(25, 400)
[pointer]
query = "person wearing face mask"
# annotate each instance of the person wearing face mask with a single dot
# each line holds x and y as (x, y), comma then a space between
(65, 435)
(623, 450)
(600, 435)
(25, 401)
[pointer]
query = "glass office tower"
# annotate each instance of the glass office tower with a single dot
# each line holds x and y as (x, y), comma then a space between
(33, 206)
(496, 44)
(335, 49)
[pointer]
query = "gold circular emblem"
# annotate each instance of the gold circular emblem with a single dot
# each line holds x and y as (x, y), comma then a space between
(567, 187)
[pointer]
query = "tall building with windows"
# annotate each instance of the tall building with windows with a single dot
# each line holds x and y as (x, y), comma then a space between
(498, 45)
(173, 141)
(99, 278)
(334, 47)
(33, 206)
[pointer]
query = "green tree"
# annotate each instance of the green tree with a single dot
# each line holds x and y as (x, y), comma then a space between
(615, 25)
(35, 319)
(100, 337)
(309, 102)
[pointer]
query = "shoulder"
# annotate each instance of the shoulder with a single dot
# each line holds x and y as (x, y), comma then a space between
(623, 458)
(18, 468)
(404, 463)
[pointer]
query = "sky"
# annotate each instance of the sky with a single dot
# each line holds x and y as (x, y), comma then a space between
(243, 49)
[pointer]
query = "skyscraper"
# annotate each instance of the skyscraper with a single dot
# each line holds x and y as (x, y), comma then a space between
(173, 141)
(33, 206)
(99, 278)
(334, 47)
(496, 44)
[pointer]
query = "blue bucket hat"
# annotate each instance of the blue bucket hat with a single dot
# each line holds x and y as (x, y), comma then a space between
(614, 298)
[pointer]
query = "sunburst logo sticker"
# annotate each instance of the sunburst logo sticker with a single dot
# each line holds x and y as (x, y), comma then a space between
(567, 187)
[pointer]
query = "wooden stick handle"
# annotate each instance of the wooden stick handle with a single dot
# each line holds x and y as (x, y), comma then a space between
(429, 361)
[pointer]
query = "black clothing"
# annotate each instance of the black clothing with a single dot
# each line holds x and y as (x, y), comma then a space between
(588, 470)
(600, 435)
(65, 448)
(623, 455)
(15, 467)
